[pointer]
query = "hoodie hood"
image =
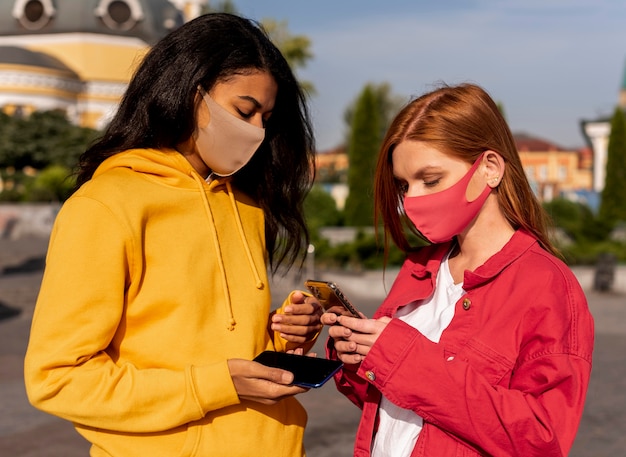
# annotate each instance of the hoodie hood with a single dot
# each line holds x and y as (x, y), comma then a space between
(167, 166)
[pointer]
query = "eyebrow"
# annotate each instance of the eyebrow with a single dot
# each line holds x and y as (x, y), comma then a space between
(421, 172)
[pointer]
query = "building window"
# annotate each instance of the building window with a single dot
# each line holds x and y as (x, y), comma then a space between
(119, 15)
(530, 172)
(33, 14)
(562, 173)
(543, 173)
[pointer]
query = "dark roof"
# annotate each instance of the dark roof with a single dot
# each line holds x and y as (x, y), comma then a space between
(80, 16)
(528, 143)
(20, 56)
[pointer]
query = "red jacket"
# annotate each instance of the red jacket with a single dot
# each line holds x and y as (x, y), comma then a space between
(510, 373)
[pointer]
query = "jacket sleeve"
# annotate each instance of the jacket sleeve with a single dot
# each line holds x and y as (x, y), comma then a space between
(536, 415)
(70, 370)
(347, 380)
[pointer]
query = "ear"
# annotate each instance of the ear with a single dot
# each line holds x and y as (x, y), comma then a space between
(494, 168)
(203, 115)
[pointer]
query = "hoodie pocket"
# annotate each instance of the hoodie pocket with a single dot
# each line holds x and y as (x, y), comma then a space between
(192, 438)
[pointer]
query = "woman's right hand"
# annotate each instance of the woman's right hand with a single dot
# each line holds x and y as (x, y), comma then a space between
(256, 382)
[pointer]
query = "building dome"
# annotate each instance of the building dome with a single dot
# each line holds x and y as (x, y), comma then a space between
(148, 20)
(13, 55)
(78, 55)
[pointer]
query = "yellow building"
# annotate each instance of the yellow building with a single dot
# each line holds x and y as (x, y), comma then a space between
(78, 55)
(552, 170)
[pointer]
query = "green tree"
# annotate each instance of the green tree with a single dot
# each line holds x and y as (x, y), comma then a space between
(53, 184)
(28, 145)
(295, 48)
(41, 139)
(575, 219)
(613, 203)
(224, 6)
(320, 209)
(501, 109)
(363, 147)
(388, 105)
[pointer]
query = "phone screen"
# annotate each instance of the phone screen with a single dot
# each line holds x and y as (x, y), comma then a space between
(331, 298)
(307, 371)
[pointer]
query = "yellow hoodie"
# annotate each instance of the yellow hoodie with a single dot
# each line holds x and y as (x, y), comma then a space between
(154, 278)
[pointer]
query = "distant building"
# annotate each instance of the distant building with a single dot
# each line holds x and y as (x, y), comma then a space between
(596, 133)
(78, 55)
(332, 173)
(552, 170)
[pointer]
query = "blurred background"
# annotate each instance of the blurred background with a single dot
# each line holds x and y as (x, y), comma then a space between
(556, 68)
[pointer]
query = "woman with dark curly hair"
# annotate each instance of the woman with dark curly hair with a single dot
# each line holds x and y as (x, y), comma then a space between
(155, 297)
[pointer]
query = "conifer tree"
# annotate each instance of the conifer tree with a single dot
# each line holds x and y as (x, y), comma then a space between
(362, 153)
(613, 203)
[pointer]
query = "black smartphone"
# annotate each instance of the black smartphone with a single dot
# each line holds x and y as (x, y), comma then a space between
(331, 298)
(307, 371)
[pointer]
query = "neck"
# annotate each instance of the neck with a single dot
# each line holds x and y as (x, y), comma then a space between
(486, 236)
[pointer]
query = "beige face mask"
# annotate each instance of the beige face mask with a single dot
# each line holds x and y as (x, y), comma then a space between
(227, 143)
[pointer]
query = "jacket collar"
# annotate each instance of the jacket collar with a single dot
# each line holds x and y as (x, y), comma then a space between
(520, 242)
(429, 264)
(422, 266)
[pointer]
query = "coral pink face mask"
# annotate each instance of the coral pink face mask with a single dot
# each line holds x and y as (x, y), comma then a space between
(443, 215)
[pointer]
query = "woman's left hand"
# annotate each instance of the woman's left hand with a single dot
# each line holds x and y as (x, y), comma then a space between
(354, 337)
(300, 320)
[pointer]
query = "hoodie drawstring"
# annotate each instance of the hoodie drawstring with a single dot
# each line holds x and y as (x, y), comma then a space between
(207, 207)
(259, 282)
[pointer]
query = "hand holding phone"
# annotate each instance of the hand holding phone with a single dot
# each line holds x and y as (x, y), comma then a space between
(331, 298)
(307, 371)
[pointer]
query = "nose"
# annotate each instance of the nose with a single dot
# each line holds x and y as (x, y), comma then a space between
(258, 121)
(412, 190)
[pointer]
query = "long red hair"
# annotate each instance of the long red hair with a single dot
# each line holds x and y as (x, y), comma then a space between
(462, 121)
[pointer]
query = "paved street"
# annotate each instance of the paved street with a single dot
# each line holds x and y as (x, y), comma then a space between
(26, 432)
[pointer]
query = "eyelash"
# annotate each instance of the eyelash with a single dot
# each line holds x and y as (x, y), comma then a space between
(404, 187)
(249, 115)
(245, 115)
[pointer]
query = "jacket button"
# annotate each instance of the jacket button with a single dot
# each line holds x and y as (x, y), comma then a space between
(467, 303)
(370, 375)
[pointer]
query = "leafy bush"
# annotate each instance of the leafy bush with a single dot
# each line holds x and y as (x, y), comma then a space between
(34, 143)
(52, 184)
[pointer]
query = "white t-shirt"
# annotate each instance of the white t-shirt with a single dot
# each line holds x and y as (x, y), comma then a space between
(399, 428)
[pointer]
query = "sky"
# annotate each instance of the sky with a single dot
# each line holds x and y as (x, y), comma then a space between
(550, 63)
